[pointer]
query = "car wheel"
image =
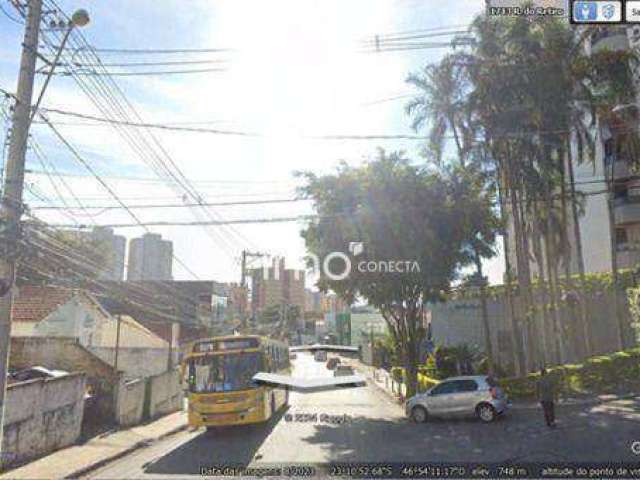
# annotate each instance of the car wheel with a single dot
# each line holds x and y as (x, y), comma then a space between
(419, 414)
(486, 412)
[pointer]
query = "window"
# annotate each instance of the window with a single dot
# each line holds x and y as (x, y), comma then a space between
(621, 236)
(445, 387)
(223, 373)
(467, 386)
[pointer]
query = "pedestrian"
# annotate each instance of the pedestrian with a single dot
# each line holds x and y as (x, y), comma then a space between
(545, 390)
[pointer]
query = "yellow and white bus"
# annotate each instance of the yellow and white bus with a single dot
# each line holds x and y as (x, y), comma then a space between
(219, 380)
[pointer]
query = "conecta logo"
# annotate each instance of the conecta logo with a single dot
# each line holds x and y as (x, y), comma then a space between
(337, 265)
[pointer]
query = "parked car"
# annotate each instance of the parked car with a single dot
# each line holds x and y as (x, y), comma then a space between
(37, 372)
(332, 363)
(475, 396)
(320, 356)
(343, 371)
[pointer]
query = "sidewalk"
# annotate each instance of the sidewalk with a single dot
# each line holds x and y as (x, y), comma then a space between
(74, 461)
(383, 380)
(380, 378)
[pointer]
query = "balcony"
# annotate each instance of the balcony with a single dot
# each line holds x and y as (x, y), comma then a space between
(609, 38)
(626, 210)
(628, 255)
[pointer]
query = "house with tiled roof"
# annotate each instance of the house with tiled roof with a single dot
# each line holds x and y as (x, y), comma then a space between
(57, 312)
(47, 311)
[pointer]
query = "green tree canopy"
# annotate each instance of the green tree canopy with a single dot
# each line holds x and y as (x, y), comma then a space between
(401, 213)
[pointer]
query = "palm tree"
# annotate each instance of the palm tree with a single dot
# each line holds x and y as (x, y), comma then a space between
(442, 106)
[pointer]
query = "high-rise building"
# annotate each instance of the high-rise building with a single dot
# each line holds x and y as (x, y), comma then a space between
(115, 245)
(150, 258)
(611, 166)
(277, 285)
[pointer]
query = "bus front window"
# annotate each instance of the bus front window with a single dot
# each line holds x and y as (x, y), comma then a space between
(224, 373)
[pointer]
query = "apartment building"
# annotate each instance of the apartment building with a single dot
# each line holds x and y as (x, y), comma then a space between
(592, 181)
(277, 285)
(150, 258)
(113, 245)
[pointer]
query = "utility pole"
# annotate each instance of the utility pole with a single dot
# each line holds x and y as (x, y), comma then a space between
(11, 203)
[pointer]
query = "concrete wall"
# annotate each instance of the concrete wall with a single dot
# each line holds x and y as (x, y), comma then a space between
(132, 335)
(130, 402)
(67, 354)
(42, 416)
(166, 393)
(459, 322)
(136, 362)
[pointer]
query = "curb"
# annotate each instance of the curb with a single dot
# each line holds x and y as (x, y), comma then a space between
(527, 406)
(578, 403)
(371, 381)
(116, 456)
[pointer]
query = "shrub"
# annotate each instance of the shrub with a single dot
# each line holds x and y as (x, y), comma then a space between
(601, 374)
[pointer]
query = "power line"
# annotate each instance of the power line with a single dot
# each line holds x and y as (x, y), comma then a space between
(118, 106)
(388, 99)
(135, 74)
(107, 187)
(199, 223)
(186, 205)
(157, 180)
(10, 16)
(149, 64)
(146, 51)
(147, 125)
(425, 30)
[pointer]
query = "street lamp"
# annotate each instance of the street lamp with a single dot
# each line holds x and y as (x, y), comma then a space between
(80, 18)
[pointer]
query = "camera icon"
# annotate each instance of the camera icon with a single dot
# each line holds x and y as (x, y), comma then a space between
(635, 447)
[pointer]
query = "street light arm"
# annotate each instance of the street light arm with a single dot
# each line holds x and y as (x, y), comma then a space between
(36, 106)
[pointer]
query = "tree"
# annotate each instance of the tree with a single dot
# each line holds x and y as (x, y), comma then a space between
(527, 94)
(406, 216)
(442, 105)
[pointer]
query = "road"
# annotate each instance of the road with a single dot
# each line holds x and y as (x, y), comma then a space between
(373, 429)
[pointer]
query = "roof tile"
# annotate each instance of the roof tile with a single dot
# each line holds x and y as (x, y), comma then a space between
(34, 303)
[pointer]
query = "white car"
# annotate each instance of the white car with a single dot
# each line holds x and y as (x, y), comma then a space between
(476, 395)
(343, 371)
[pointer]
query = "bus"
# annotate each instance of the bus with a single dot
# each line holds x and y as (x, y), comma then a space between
(220, 389)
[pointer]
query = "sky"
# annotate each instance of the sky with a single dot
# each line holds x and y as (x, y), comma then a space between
(294, 70)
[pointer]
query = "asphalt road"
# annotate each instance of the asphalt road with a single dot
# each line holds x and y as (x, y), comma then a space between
(363, 425)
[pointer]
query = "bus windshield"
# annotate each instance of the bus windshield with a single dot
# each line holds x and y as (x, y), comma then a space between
(223, 373)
